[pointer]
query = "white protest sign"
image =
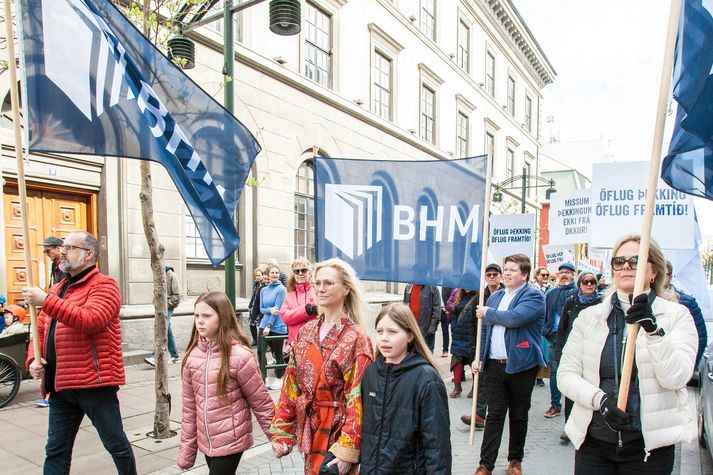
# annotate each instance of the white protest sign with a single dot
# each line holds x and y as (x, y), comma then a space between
(570, 212)
(585, 266)
(512, 234)
(556, 255)
(618, 202)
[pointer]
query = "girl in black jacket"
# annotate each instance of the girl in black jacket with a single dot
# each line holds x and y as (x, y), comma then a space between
(406, 428)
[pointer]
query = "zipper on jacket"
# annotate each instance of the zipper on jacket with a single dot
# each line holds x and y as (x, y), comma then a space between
(96, 360)
(383, 410)
(205, 404)
(616, 367)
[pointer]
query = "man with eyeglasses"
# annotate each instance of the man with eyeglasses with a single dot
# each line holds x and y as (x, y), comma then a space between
(52, 245)
(554, 302)
(81, 363)
(425, 304)
(689, 301)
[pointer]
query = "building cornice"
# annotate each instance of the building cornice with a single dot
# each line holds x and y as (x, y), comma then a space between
(513, 27)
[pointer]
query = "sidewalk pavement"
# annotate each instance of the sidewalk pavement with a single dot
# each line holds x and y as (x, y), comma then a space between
(24, 428)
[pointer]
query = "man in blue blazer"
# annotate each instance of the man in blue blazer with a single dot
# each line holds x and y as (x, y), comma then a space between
(512, 352)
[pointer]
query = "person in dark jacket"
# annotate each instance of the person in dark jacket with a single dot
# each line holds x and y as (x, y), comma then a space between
(554, 304)
(405, 427)
(445, 321)
(690, 303)
(425, 304)
(463, 327)
(254, 314)
(586, 296)
(51, 248)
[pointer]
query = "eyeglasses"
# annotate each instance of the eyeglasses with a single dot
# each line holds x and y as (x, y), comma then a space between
(544, 275)
(491, 274)
(300, 271)
(324, 284)
(589, 282)
(69, 247)
(617, 263)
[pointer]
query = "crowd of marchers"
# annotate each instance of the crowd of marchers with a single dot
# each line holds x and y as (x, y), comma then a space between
(350, 405)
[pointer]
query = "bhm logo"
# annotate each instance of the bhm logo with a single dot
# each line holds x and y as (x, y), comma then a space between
(354, 215)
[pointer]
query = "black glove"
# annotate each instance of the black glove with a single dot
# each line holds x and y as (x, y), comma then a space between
(311, 309)
(615, 418)
(640, 312)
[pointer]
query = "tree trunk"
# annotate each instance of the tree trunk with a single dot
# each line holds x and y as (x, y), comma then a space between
(161, 422)
(162, 411)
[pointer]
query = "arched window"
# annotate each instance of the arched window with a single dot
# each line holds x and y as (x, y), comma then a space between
(304, 211)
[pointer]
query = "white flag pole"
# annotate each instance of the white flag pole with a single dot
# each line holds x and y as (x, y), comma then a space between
(17, 122)
(654, 172)
(481, 295)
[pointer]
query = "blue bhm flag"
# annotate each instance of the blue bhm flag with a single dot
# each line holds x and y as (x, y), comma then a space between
(95, 85)
(688, 167)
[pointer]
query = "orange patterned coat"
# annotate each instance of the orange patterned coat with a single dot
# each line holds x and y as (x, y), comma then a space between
(320, 406)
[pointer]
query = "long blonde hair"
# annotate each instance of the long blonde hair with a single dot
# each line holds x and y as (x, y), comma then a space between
(354, 304)
(401, 315)
(658, 261)
(229, 333)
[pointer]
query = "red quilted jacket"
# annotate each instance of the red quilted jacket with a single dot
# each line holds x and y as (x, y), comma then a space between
(87, 334)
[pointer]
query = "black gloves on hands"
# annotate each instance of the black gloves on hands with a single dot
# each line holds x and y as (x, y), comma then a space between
(640, 312)
(614, 417)
(311, 309)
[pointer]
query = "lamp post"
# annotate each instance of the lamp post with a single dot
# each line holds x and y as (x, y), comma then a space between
(525, 180)
(284, 20)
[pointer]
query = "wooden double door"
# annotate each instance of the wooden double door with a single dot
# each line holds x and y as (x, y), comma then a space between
(54, 212)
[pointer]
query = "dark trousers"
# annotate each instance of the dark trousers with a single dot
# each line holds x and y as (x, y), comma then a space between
(225, 465)
(445, 328)
(430, 341)
(276, 349)
(568, 404)
(253, 333)
(67, 409)
(481, 408)
(507, 394)
(594, 460)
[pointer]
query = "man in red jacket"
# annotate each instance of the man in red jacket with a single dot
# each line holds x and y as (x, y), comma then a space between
(81, 363)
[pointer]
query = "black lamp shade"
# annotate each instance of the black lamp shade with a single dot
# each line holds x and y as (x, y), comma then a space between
(285, 17)
(182, 50)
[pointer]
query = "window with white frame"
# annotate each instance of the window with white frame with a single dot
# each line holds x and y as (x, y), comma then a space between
(463, 45)
(461, 135)
(528, 113)
(318, 45)
(510, 163)
(490, 145)
(193, 244)
(428, 18)
(490, 73)
(304, 211)
(428, 114)
(382, 73)
(511, 95)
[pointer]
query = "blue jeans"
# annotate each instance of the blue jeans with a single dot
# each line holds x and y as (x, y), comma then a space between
(170, 340)
(555, 394)
(430, 341)
(67, 409)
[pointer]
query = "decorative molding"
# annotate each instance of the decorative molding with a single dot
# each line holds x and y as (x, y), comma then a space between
(465, 104)
(490, 125)
(428, 74)
(385, 39)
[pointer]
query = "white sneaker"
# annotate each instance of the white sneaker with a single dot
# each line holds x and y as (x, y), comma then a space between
(276, 384)
(150, 360)
(176, 359)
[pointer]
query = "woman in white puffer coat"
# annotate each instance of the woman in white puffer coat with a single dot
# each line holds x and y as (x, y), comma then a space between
(658, 413)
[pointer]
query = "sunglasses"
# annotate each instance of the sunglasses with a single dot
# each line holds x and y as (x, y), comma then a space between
(589, 282)
(491, 274)
(617, 263)
(544, 275)
(300, 271)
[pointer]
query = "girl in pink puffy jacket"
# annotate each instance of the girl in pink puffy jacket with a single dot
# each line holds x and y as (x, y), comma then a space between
(221, 386)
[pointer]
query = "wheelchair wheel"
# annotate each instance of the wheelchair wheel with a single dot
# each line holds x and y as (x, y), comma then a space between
(9, 379)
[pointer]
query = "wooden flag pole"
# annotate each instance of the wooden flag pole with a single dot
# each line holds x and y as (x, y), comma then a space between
(481, 295)
(14, 95)
(654, 172)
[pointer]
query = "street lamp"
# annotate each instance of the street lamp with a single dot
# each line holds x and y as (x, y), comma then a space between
(525, 185)
(284, 20)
